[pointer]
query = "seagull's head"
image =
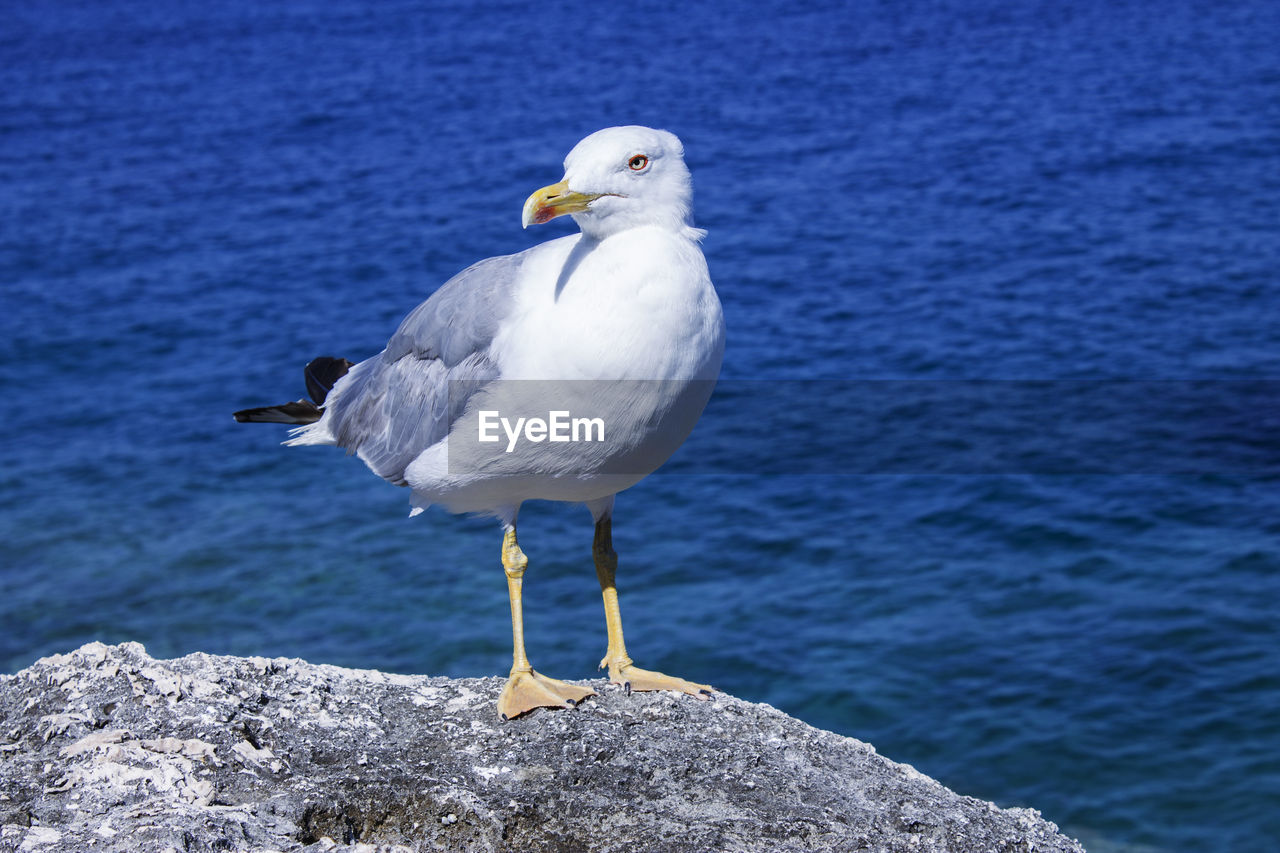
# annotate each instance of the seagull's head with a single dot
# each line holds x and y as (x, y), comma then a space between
(619, 178)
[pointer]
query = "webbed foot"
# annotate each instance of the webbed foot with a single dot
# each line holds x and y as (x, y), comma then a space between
(526, 690)
(633, 678)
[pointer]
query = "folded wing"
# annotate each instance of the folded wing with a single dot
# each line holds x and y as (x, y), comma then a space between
(389, 408)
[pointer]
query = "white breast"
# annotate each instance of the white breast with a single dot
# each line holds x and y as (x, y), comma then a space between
(638, 305)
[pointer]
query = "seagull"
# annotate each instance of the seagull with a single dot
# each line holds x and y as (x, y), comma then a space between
(619, 323)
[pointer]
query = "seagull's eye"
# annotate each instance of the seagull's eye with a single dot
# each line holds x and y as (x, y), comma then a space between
(638, 163)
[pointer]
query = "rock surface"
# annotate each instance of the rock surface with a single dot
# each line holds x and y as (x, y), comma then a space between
(107, 749)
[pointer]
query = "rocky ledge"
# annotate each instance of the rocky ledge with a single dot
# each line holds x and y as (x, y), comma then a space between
(108, 749)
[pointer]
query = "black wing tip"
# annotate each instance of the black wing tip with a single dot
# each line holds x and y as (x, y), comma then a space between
(322, 373)
(297, 413)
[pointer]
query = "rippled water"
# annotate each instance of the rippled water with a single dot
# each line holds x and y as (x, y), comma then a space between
(196, 198)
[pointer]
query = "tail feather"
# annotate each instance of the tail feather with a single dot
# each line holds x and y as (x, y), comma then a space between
(321, 374)
(298, 413)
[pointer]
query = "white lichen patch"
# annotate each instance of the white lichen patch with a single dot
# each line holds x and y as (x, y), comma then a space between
(191, 747)
(39, 836)
(164, 681)
(52, 725)
(257, 756)
(465, 699)
(89, 743)
(488, 774)
(112, 760)
(426, 696)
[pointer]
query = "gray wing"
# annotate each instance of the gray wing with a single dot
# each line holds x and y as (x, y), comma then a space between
(391, 407)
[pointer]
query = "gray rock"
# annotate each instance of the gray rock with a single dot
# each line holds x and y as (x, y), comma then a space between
(108, 749)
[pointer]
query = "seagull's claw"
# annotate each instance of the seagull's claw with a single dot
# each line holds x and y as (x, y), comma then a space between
(527, 690)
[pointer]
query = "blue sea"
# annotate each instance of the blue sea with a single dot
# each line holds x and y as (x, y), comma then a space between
(196, 198)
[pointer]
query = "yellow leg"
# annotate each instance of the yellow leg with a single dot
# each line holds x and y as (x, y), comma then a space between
(526, 689)
(621, 670)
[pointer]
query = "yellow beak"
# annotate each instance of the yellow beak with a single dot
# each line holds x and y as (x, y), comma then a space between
(556, 200)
